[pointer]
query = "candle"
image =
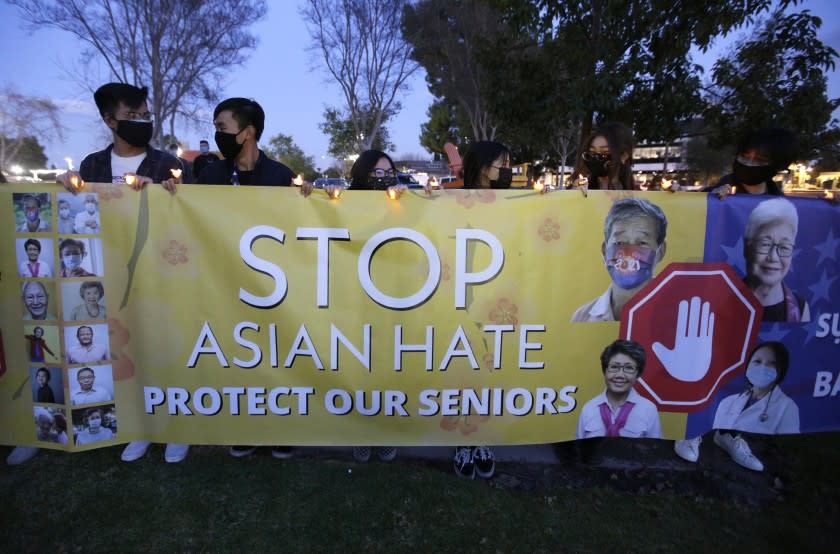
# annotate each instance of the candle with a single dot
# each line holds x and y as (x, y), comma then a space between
(176, 173)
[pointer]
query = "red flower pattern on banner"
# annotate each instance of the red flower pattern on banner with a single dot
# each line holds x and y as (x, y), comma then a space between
(445, 272)
(469, 197)
(175, 253)
(505, 312)
(123, 366)
(109, 191)
(465, 424)
(549, 230)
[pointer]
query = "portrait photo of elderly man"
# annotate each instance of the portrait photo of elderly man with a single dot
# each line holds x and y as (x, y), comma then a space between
(89, 391)
(86, 350)
(634, 243)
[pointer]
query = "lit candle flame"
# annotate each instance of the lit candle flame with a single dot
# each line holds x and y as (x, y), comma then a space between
(666, 184)
(539, 186)
(130, 179)
(298, 181)
(74, 181)
(392, 194)
(336, 192)
(176, 173)
(829, 194)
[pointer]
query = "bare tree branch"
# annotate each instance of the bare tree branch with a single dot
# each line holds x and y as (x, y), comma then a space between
(363, 52)
(180, 49)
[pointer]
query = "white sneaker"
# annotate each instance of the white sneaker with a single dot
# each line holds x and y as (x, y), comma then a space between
(135, 450)
(21, 454)
(739, 450)
(688, 449)
(176, 452)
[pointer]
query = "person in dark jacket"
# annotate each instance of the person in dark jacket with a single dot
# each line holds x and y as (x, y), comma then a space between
(239, 125)
(202, 160)
(129, 159)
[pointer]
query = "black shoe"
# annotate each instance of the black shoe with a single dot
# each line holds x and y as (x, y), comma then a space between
(282, 452)
(240, 451)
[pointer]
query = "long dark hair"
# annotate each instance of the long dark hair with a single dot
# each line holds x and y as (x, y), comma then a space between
(479, 156)
(363, 165)
(620, 140)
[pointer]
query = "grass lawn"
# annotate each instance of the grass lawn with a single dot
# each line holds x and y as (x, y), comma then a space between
(91, 502)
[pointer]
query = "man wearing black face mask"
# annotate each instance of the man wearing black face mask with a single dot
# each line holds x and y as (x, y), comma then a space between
(239, 125)
(126, 113)
(761, 154)
(203, 160)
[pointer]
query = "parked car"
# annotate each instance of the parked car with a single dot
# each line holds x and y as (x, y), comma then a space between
(445, 182)
(408, 181)
(324, 182)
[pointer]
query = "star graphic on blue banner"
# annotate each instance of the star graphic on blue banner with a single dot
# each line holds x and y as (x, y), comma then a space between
(828, 248)
(812, 328)
(820, 289)
(774, 333)
(735, 255)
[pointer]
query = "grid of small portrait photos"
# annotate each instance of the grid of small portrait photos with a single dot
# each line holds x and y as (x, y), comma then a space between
(60, 264)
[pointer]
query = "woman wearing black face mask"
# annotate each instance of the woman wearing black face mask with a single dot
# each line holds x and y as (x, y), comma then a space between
(607, 158)
(761, 154)
(487, 165)
(373, 170)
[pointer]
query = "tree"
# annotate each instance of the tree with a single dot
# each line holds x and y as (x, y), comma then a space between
(30, 155)
(283, 149)
(708, 161)
(447, 39)
(24, 119)
(344, 142)
(180, 49)
(776, 78)
(364, 54)
(446, 124)
(613, 56)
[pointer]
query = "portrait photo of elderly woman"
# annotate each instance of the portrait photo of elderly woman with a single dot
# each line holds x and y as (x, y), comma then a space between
(769, 243)
(620, 411)
(93, 300)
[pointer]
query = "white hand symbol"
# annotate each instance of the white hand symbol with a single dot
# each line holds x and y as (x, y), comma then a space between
(691, 356)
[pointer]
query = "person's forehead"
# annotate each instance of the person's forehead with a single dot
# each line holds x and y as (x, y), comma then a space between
(226, 118)
(599, 143)
(765, 353)
(639, 224)
(383, 163)
(86, 373)
(622, 358)
(122, 107)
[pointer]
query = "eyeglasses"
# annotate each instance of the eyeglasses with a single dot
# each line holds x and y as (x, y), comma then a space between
(378, 172)
(589, 156)
(136, 116)
(626, 369)
(783, 249)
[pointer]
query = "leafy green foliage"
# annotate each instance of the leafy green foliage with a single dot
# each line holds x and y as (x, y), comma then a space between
(344, 141)
(30, 154)
(776, 78)
(283, 149)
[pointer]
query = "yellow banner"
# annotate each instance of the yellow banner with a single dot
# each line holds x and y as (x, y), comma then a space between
(252, 315)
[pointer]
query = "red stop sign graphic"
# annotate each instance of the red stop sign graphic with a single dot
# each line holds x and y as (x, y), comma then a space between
(697, 323)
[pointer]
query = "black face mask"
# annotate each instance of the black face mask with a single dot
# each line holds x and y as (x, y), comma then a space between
(135, 133)
(597, 164)
(226, 142)
(504, 180)
(751, 174)
(380, 183)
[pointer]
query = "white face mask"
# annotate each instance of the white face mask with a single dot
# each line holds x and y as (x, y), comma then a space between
(90, 207)
(761, 376)
(64, 213)
(94, 423)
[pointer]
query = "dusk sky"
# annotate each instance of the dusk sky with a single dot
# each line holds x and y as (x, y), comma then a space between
(281, 74)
